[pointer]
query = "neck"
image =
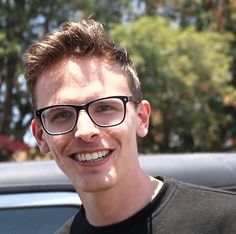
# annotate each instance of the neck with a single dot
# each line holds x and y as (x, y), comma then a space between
(120, 202)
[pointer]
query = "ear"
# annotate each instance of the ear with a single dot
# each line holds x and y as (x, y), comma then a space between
(39, 136)
(143, 115)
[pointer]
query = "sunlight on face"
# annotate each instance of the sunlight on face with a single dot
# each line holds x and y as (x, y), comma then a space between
(77, 82)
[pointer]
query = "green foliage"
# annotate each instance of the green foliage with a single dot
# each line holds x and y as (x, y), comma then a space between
(21, 22)
(185, 75)
(8, 48)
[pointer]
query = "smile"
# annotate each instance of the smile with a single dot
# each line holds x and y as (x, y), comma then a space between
(95, 156)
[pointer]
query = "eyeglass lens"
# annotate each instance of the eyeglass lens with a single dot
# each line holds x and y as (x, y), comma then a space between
(104, 113)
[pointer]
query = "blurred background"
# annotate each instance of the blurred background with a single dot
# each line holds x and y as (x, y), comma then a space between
(184, 52)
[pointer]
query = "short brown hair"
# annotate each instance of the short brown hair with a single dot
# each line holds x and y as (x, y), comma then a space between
(84, 38)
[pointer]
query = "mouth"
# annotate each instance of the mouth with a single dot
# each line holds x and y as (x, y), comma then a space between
(92, 157)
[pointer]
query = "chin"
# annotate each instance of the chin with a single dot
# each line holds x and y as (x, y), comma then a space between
(93, 185)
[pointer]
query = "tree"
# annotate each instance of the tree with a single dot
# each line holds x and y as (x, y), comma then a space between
(21, 22)
(185, 76)
(206, 15)
(193, 43)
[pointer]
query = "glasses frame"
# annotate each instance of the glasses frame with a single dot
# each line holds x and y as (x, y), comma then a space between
(78, 108)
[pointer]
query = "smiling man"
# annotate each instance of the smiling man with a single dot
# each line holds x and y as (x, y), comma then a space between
(89, 112)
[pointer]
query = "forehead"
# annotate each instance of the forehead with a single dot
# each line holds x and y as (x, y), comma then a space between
(84, 70)
(78, 80)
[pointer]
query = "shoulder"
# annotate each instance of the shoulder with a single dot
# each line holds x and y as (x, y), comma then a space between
(195, 196)
(65, 229)
(197, 189)
(195, 209)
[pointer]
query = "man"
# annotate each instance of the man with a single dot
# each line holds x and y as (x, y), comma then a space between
(89, 112)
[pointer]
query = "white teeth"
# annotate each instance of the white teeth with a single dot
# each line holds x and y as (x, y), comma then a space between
(92, 156)
(88, 157)
(100, 154)
(83, 157)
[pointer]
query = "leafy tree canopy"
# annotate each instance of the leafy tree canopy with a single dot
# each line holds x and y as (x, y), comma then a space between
(185, 75)
(186, 61)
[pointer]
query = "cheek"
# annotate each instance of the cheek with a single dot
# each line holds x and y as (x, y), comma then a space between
(125, 133)
(58, 151)
(57, 146)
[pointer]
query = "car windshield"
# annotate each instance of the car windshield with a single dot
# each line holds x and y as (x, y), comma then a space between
(37, 220)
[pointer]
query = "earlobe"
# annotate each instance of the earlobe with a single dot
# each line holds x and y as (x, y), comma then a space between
(143, 114)
(38, 135)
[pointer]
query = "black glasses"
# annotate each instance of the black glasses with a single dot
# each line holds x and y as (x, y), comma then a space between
(104, 112)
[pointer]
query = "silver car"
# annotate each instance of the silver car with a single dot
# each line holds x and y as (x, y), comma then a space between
(37, 198)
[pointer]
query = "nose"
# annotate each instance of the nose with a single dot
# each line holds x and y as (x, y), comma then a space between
(85, 128)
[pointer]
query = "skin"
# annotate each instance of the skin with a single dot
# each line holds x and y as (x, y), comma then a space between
(117, 181)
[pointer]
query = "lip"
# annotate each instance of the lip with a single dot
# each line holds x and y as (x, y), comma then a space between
(92, 158)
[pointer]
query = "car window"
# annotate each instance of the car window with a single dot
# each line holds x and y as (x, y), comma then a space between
(37, 220)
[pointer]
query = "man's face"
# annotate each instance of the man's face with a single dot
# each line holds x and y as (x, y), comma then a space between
(77, 82)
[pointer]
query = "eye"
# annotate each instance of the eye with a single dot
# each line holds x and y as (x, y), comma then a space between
(62, 115)
(104, 108)
(59, 115)
(109, 107)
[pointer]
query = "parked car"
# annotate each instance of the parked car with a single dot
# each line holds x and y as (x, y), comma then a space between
(36, 197)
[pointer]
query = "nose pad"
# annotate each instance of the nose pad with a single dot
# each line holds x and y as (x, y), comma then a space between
(85, 127)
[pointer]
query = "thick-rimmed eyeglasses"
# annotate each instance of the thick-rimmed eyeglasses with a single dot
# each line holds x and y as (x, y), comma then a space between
(104, 112)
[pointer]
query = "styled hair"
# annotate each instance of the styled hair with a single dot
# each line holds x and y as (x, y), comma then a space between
(81, 39)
